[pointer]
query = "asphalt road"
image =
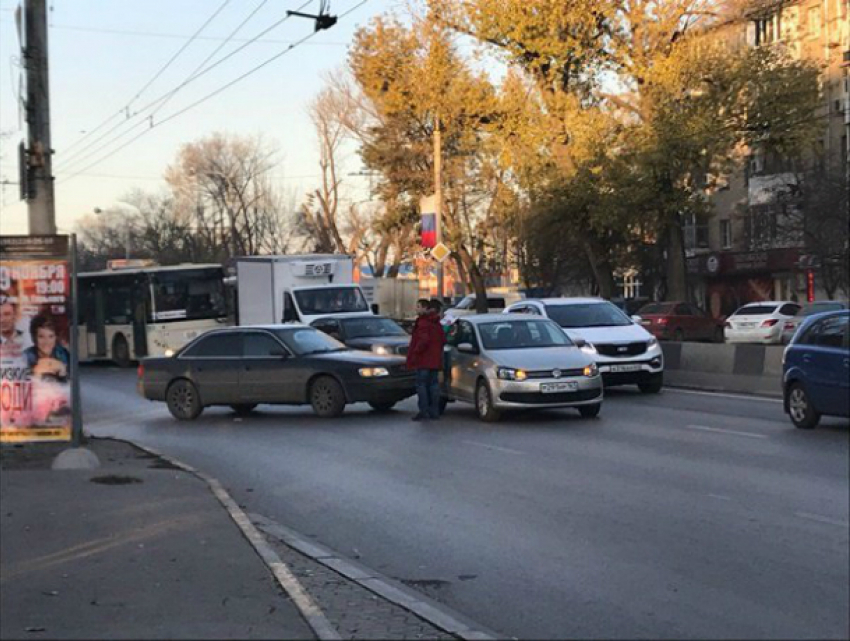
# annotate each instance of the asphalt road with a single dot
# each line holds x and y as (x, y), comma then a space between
(679, 515)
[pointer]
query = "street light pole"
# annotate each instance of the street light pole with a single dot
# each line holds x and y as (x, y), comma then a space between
(438, 197)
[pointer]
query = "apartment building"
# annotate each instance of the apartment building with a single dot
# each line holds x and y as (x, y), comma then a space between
(748, 250)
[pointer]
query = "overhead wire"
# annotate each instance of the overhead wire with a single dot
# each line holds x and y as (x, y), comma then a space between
(162, 70)
(210, 95)
(79, 156)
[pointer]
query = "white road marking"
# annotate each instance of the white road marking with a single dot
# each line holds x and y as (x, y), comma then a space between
(506, 450)
(739, 397)
(722, 431)
(822, 519)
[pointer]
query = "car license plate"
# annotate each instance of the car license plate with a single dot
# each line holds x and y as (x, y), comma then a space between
(624, 368)
(746, 325)
(565, 386)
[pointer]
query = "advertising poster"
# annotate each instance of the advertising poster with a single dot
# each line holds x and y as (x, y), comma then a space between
(35, 326)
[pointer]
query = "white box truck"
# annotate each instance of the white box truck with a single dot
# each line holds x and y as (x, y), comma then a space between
(297, 288)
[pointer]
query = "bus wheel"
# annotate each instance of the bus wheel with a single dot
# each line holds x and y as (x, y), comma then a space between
(121, 351)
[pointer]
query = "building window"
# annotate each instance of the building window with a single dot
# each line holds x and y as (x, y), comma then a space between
(726, 233)
(814, 21)
(696, 233)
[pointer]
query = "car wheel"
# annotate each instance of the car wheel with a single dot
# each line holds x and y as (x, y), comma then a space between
(679, 335)
(484, 403)
(243, 408)
(327, 397)
(121, 351)
(183, 400)
(652, 386)
(590, 411)
(382, 407)
(800, 408)
(718, 335)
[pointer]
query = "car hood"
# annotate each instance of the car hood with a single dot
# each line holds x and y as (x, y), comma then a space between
(541, 358)
(366, 342)
(621, 334)
(357, 357)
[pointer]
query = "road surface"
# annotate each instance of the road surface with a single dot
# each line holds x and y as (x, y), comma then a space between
(683, 515)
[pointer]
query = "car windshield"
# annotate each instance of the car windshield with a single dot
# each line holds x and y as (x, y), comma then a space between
(600, 314)
(330, 300)
(306, 340)
(817, 308)
(522, 334)
(756, 310)
(367, 327)
(656, 308)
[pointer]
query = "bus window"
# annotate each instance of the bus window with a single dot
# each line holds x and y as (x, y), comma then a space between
(188, 295)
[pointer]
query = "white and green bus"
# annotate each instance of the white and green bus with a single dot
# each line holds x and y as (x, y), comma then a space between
(129, 311)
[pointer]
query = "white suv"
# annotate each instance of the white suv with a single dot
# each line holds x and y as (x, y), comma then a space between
(624, 351)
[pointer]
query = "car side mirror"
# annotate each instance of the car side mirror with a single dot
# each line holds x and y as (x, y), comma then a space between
(467, 348)
(579, 342)
(376, 309)
(335, 334)
(637, 319)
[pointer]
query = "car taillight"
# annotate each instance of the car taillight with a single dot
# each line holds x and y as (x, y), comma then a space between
(769, 323)
(141, 370)
(661, 321)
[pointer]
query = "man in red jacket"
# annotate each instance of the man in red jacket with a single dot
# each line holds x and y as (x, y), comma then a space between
(425, 355)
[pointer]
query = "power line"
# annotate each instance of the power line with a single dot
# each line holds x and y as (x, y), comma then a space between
(78, 156)
(250, 72)
(156, 75)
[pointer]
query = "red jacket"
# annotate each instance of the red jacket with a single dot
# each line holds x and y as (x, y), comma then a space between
(426, 344)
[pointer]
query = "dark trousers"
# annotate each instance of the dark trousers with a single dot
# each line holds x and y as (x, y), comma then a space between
(428, 390)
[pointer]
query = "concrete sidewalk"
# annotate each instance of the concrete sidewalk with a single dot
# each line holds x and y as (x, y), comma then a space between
(137, 549)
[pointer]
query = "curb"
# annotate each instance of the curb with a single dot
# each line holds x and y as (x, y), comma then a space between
(390, 589)
(311, 612)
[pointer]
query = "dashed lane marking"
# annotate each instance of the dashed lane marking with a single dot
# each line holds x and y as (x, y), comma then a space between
(719, 430)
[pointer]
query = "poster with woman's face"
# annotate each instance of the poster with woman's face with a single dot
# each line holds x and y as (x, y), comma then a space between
(35, 357)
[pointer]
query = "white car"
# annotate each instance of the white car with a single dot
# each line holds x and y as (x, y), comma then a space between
(760, 322)
(625, 352)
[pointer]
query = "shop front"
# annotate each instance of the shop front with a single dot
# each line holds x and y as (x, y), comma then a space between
(724, 281)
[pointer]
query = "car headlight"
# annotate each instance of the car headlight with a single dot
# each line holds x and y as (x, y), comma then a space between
(652, 342)
(169, 353)
(511, 374)
(591, 370)
(588, 348)
(373, 372)
(381, 349)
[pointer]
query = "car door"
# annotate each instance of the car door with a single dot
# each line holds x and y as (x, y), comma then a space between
(462, 365)
(269, 372)
(681, 319)
(826, 361)
(702, 327)
(214, 362)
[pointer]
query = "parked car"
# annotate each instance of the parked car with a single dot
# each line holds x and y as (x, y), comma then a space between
(625, 352)
(242, 367)
(816, 368)
(809, 309)
(759, 322)
(679, 321)
(377, 334)
(499, 362)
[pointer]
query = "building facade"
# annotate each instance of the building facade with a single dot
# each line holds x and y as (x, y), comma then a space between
(753, 247)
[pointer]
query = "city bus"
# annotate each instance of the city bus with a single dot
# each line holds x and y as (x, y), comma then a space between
(134, 309)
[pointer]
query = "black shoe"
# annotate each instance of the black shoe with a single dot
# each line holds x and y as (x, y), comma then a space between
(420, 417)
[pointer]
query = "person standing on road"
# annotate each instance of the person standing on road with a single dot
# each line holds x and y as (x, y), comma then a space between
(425, 356)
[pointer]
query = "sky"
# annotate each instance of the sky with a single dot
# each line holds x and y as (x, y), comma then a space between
(103, 52)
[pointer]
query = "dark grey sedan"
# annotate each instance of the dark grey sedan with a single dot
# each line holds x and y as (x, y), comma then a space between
(377, 334)
(242, 367)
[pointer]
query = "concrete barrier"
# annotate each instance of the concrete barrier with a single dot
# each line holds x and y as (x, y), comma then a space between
(742, 368)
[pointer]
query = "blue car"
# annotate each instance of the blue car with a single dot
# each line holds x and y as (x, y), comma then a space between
(816, 368)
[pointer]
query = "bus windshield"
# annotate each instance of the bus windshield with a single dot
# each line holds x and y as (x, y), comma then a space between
(330, 300)
(193, 294)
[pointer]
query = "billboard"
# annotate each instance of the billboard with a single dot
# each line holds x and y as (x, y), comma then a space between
(35, 332)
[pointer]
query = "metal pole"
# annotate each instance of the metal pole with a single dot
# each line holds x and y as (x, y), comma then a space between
(438, 197)
(76, 402)
(41, 208)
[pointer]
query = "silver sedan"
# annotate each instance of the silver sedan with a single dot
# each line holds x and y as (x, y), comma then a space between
(510, 361)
